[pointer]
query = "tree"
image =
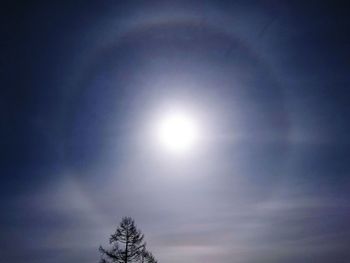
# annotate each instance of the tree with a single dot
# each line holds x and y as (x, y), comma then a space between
(127, 245)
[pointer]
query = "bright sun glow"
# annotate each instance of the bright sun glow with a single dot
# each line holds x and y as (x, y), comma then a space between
(177, 132)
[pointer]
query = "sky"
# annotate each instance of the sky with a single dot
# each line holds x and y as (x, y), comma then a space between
(83, 83)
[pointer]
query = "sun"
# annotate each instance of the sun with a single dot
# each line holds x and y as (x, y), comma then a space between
(177, 131)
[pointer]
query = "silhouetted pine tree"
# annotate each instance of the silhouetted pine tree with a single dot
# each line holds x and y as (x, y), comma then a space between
(127, 245)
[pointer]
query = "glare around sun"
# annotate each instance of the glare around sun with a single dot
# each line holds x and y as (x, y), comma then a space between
(177, 132)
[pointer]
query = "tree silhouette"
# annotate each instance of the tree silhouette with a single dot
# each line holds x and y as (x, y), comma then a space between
(127, 245)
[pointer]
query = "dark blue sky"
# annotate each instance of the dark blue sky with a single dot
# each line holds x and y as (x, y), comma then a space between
(81, 81)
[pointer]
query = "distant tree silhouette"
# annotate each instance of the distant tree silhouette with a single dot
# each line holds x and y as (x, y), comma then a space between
(127, 245)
